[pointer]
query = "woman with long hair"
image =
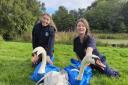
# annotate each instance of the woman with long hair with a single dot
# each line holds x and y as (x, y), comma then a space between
(85, 47)
(43, 35)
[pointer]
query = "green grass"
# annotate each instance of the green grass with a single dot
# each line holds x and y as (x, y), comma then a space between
(15, 63)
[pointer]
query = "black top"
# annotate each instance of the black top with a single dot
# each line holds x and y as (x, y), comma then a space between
(43, 36)
(79, 48)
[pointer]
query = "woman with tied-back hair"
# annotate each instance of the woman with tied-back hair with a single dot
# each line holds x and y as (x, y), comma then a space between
(85, 46)
(43, 35)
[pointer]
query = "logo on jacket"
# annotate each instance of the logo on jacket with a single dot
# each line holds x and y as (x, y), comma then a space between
(46, 34)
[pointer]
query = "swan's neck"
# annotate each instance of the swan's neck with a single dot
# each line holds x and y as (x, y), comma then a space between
(43, 64)
(81, 72)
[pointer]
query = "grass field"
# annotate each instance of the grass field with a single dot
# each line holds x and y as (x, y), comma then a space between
(15, 63)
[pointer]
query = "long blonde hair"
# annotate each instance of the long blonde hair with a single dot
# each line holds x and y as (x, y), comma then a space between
(51, 21)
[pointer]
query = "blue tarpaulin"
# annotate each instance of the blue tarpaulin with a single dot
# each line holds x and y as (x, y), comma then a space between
(36, 76)
(72, 71)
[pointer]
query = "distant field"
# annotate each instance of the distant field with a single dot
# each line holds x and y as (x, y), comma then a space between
(103, 39)
(15, 63)
(113, 41)
(118, 39)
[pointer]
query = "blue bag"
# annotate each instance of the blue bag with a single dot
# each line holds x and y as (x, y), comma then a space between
(73, 72)
(36, 77)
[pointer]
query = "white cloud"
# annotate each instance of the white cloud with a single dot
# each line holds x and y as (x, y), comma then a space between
(69, 4)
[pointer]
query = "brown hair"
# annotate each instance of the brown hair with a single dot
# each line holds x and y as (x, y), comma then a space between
(85, 22)
(51, 21)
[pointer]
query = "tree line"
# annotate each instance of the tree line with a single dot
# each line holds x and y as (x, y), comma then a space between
(19, 16)
(103, 16)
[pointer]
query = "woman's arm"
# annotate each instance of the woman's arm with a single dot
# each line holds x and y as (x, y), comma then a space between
(89, 58)
(50, 46)
(89, 51)
(51, 43)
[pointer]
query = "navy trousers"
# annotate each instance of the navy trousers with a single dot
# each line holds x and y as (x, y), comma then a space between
(107, 70)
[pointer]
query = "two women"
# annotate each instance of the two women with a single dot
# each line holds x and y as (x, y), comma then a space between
(84, 44)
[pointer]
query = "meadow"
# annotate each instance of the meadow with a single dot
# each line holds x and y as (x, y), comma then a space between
(103, 39)
(15, 63)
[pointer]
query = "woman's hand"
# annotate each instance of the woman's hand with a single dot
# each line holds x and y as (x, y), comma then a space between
(100, 64)
(49, 60)
(35, 59)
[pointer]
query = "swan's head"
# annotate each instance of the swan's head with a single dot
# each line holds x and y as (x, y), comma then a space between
(38, 51)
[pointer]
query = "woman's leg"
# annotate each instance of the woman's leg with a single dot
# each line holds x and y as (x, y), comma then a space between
(107, 70)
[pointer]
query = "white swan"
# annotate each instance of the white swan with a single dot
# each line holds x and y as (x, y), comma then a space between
(38, 51)
(52, 77)
(59, 78)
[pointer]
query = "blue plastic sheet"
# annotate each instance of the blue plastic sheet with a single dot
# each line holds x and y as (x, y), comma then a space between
(36, 76)
(73, 72)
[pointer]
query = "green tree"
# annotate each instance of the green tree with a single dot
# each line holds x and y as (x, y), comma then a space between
(64, 21)
(124, 13)
(17, 16)
(103, 15)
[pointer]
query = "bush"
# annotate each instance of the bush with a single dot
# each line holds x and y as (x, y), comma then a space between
(24, 37)
(111, 36)
(100, 43)
(27, 36)
(65, 37)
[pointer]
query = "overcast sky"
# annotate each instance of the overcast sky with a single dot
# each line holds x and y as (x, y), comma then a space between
(52, 5)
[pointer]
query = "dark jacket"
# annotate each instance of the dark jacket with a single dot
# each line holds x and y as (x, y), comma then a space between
(43, 36)
(79, 48)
